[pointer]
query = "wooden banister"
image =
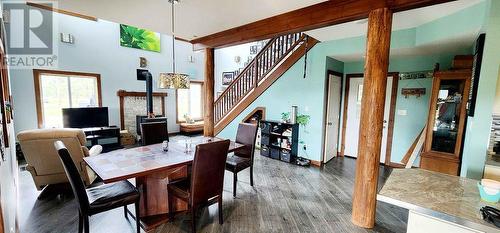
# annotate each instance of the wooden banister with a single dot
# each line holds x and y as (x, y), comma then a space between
(275, 50)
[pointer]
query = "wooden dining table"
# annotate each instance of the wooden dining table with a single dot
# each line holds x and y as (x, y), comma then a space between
(153, 168)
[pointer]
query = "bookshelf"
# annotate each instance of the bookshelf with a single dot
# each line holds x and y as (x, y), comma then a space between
(279, 140)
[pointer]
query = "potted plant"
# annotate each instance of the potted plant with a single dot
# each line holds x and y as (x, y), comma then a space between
(285, 117)
(303, 119)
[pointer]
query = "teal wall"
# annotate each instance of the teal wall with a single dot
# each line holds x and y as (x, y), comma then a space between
(407, 127)
(478, 127)
(292, 89)
(309, 93)
(334, 64)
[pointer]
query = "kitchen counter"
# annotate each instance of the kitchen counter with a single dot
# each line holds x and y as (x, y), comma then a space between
(438, 197)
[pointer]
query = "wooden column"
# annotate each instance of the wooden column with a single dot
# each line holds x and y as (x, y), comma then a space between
(372, 116)
(208, 118)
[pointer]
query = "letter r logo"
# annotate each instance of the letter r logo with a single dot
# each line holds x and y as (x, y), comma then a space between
(29, 30)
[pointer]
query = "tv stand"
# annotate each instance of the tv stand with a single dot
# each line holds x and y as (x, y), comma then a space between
(108, 137)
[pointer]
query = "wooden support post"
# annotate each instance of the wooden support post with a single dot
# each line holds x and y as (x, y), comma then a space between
(372, 116)
(208, 128)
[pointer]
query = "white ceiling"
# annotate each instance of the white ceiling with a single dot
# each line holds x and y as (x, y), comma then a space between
(449, 45)
(401, 20)
(404, 20)
(194, 18)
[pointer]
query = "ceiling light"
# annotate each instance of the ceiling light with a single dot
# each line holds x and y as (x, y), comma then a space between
(173, 80)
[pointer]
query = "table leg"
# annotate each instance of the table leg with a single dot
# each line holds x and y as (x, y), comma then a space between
(153, 209)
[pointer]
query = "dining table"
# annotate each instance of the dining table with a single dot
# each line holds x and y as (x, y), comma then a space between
(153, 168)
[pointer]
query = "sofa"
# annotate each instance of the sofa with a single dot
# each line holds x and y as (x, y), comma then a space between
(41, 156)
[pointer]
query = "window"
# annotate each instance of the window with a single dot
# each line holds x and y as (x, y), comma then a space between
(55, 90)
(190, 102)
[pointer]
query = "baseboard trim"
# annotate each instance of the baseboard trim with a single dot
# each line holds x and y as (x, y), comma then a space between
(396, 165)
(399, 165)
(316, 163)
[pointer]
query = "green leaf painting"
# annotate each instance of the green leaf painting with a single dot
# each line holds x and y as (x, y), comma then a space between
(139, 38)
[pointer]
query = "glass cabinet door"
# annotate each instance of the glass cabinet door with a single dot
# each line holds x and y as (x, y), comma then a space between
(448, 107)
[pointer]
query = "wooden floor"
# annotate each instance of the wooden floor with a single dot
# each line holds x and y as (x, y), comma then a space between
(285, 198)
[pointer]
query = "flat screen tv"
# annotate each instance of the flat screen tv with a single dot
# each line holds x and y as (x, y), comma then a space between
(85, 117)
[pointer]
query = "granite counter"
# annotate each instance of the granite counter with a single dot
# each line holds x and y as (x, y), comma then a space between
(440, 197)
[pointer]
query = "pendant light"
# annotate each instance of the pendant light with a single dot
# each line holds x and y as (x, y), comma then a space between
(173, 80)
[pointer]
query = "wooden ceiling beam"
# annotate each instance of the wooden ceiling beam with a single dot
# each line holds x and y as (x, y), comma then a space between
(312, 17)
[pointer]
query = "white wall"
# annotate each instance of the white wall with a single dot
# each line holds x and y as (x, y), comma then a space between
(225, 61)
(97, 50)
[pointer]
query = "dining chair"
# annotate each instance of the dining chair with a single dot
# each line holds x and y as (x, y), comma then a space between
(205, 185)
(243, 158)
(100, 198)
(154, 132)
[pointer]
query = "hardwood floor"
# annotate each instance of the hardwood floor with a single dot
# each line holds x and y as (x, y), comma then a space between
(285, 198)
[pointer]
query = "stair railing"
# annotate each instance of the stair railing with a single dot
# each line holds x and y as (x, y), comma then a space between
(275, 50)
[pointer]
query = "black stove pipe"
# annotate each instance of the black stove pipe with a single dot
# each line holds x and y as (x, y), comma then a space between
(149, 93)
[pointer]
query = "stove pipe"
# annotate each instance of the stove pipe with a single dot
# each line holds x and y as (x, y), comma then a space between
(149, 93)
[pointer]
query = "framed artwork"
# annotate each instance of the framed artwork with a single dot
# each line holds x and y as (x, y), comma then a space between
(254, 49)
(139, 38)
(227, 78)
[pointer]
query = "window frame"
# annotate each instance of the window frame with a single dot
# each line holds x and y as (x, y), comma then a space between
(37, 74)
(202, 105)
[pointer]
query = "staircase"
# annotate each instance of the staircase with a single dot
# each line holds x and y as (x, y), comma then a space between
(277, 56)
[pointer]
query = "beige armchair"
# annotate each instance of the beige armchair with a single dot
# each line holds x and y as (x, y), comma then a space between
(43, 161)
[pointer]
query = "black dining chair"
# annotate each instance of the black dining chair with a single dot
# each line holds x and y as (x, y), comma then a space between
(100, 198)
(243, 158)
(154, 132)
(205, 185)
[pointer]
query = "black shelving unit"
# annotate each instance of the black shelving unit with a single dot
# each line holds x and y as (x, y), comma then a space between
(279, 140)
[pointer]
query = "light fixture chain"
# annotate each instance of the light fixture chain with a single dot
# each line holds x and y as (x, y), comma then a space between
(173, 37)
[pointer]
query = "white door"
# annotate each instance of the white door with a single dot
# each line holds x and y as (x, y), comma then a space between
(333, 117)
(353, 117)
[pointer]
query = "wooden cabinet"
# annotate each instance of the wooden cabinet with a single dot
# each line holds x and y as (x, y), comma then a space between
(446, 121)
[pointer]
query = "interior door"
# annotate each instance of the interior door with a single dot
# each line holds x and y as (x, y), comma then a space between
(354, 113)
(333, 117)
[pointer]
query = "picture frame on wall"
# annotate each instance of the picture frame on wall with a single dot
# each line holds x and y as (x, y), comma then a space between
(254, 49)
(227, 78)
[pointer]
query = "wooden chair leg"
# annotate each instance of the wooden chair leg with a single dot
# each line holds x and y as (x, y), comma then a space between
(193, 219)
(235, 180)
(86, 225)
(221, 220)
(137, 220)
(80, 222)
(251, 175)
